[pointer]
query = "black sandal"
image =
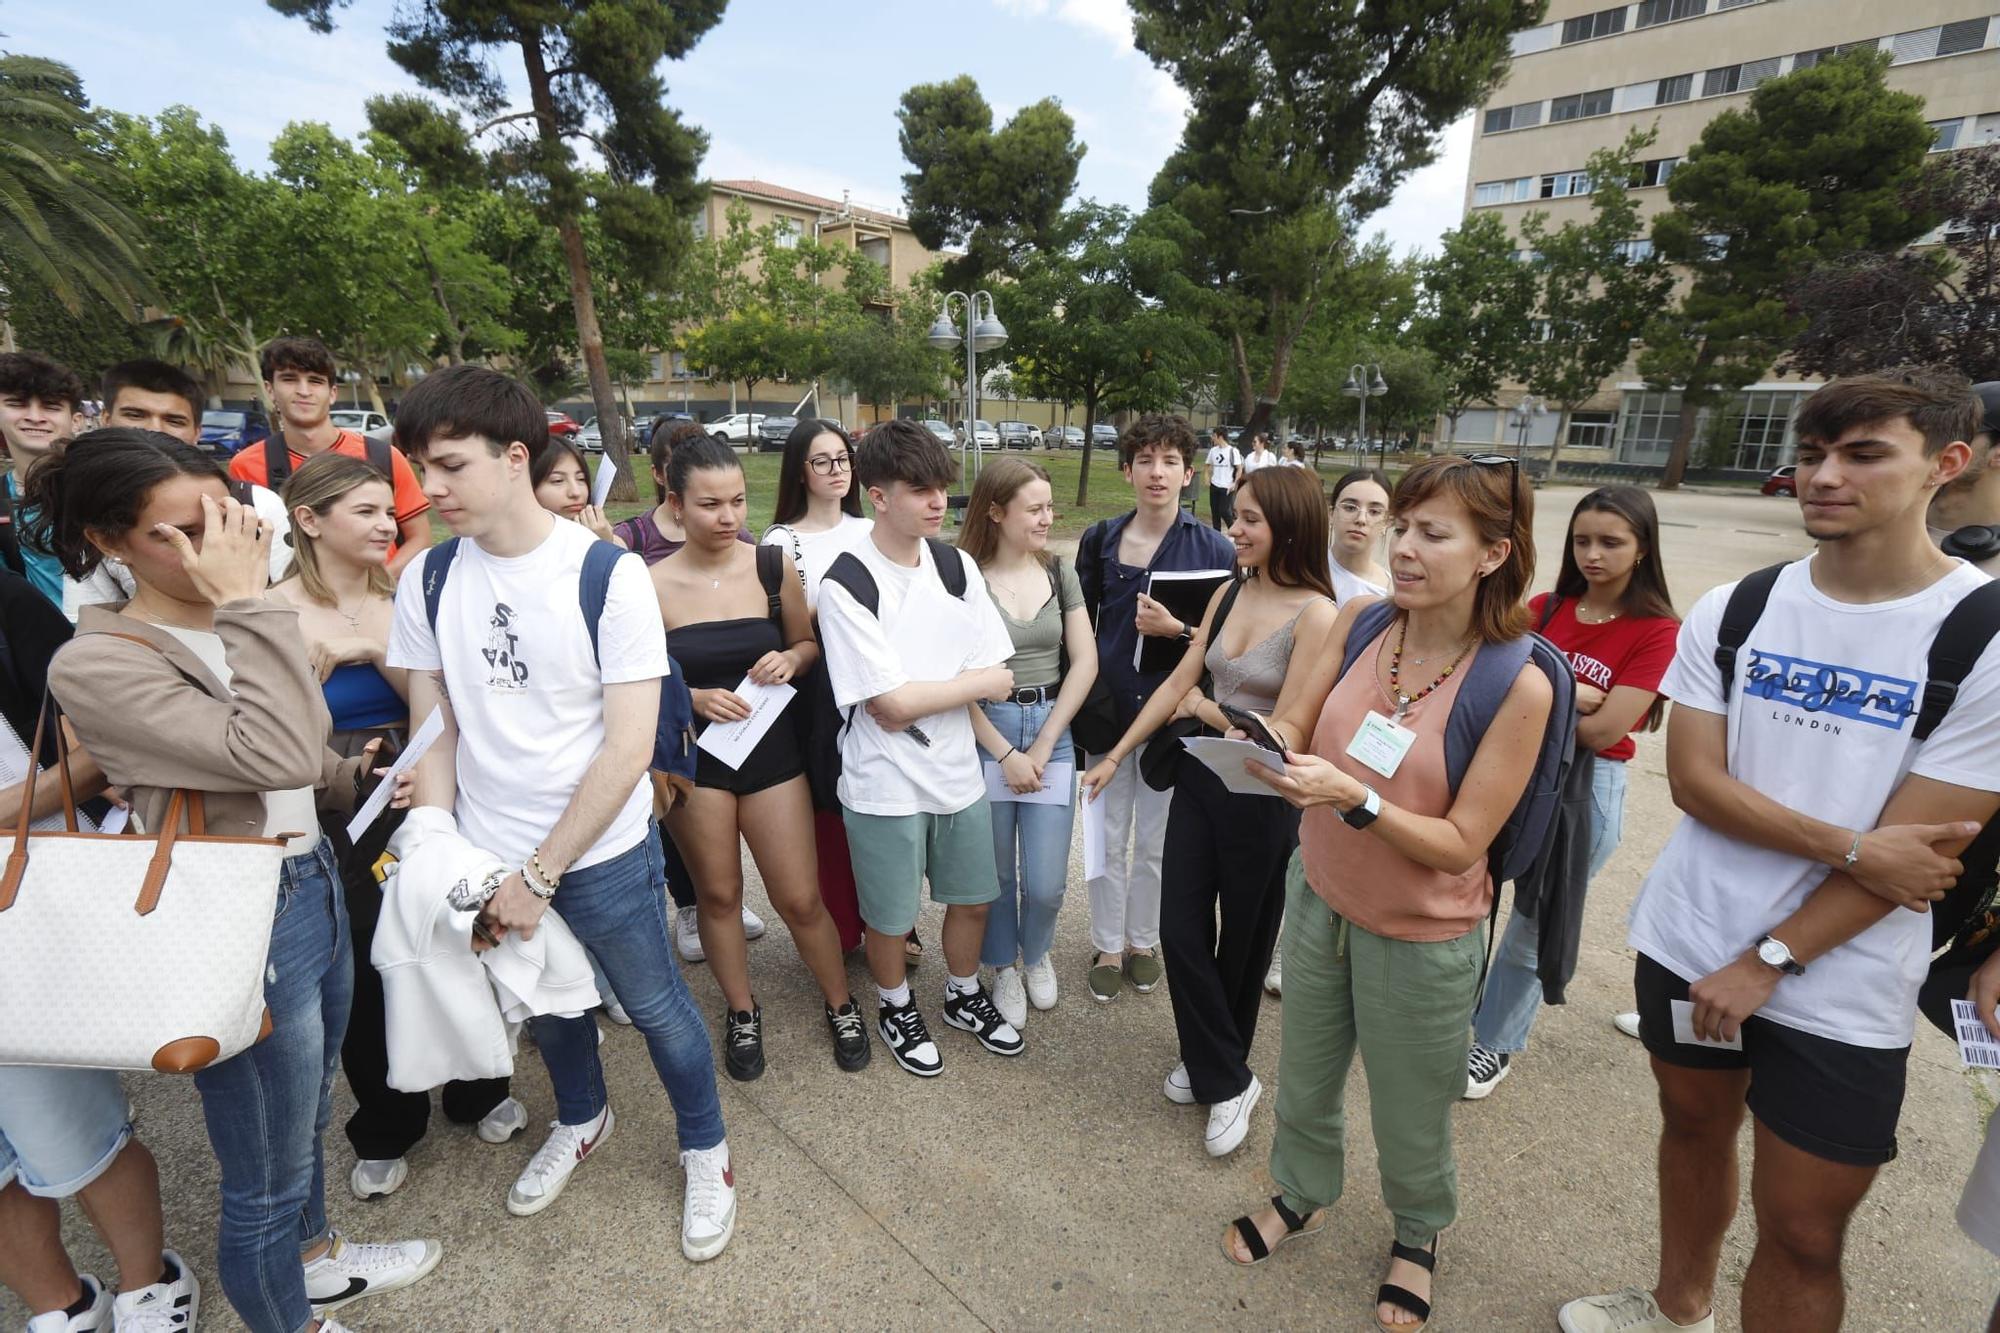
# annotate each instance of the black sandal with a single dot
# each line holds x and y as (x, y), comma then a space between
(913, 950)
(1402, 1297)
(1253, 1239)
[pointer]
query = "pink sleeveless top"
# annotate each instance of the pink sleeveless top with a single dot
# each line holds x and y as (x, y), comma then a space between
(1356, 871)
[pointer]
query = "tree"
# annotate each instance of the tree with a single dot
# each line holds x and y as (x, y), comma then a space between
(885, 358)
(745, 344)
(1476, 303)
(590, 67)
(993, 194)
(1305, 117)
(1819, 166)
(1938, 306)
(1594, 291)
(89, 339)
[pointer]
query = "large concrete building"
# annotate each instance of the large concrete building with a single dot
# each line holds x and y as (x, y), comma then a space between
(1593, 72)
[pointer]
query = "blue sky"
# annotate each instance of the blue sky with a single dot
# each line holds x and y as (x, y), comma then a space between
(795, 92)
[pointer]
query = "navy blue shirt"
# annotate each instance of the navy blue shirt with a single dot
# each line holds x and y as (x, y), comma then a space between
(1111, 590)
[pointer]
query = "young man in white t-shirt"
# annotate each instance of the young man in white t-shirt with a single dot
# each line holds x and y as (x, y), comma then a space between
(1776, 915)
(547, 739)
(1221, 464)
(912, 794)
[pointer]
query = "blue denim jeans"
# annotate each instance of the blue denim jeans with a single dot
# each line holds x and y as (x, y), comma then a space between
(268, 1108)
(1030, 851)
(618, 909)
(1513, 992)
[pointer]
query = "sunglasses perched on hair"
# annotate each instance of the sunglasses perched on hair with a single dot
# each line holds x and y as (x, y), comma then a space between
(828, 464)
(1513, 481)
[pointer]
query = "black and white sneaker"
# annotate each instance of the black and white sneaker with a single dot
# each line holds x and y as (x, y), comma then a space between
(850, 1036)
(976, 1013)
(1483, 1071)
(743, 1042)
(348, 1272)
(903, 1031)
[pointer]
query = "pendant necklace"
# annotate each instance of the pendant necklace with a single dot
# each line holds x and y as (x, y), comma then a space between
(1404, 702)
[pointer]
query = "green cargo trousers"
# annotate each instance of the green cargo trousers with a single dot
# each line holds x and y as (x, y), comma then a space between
(1407, 1008)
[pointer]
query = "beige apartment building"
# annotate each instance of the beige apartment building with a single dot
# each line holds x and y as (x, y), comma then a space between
(1593, 72)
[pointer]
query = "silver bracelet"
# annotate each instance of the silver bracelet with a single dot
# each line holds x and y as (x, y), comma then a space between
(463, 897)
(535, 884)
(1853, 856)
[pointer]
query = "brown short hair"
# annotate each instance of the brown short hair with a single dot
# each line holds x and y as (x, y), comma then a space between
(465, 400)
(1157, 429)
(901, 450)
(1488, 492)
(306, 355)
(1939, 404)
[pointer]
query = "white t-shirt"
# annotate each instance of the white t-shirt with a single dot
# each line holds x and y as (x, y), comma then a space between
(1259, 459)
(1819, 720)
(112, 582)
(1347, 586)
(1223, 460)
(527, 695)
(813, 552)
(923, 634)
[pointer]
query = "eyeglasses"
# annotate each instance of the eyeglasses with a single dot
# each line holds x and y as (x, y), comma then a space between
(1513, 481)
(828, 464)
(1355, 509)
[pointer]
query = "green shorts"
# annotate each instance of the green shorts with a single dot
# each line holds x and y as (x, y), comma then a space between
(893, 854)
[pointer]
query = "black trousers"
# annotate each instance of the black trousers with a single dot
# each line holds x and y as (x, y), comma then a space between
(386, 1123)
(680, 884)
(1221, 513)
(1222, 897)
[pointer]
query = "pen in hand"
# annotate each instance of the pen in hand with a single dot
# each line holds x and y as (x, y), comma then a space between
(916, 734)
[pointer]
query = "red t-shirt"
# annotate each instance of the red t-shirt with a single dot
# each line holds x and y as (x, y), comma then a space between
(249, 464)
(1625, 651)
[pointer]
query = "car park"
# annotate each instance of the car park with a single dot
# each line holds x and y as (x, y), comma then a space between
(1104, 435)
(1782, 481)
(1063, 437)
(983, 434)
(1018, 435)
(224, 430)
(736, 428)
(772, 433)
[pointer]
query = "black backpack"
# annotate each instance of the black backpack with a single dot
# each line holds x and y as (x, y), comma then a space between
(850, 573)
(278, 458)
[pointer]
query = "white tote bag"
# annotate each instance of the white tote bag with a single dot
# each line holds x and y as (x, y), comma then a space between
(132, 951)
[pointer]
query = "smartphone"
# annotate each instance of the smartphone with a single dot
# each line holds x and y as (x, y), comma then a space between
(1253, 727)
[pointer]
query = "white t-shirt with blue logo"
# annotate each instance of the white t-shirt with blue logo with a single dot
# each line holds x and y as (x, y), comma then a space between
(1820, 721)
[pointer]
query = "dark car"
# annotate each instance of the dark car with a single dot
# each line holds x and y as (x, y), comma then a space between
(1104, 435)
(1018, 435)
(1782, 481)
(772, 432)
(225, 430)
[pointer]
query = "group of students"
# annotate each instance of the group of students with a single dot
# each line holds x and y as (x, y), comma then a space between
(956, 708)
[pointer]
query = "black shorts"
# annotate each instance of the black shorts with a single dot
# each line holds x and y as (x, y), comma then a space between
(1824, 1097)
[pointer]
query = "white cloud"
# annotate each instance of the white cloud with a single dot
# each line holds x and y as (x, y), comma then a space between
(1432, 200)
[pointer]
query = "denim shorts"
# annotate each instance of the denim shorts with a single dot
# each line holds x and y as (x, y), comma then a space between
(60, 1128)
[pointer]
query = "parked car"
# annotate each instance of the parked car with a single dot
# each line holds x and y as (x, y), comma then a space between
(562, 423)
(983, 434)
(1063, 437)
(1782, 481)
(1104, 435)
(1018, 435)
(737, 427)
(642, 434)
(227, 429)
(359, 419)
(772, 431)
(944, 433)
(591, 437)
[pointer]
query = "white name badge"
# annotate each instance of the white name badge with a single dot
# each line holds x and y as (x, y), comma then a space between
(1381, 744)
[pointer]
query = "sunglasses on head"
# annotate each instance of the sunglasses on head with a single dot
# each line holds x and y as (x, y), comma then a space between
(1513, 481)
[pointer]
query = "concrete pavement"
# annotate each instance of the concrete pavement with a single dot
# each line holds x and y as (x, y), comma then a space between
(1059, 1189)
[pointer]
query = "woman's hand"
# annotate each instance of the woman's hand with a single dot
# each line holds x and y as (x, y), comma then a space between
(234, 562)
(1099, 777)
(1190, 704)
(406, 781)
(592, 517)
(1588, 699)
(774, 668)
(1309, 780)
(1041, 753)
(720, 705)
(1985, 994)
(1021, 773)
(1153, 618)
(326, 654)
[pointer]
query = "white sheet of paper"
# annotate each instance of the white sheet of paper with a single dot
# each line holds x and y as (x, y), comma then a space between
(600, 485)
(1224, 758)
(14, 768)
(1683, 1011)
(1976, 1046)
(115, 822)
(1093, 838)
(1057, 783)
(421, 740)
(732, 742)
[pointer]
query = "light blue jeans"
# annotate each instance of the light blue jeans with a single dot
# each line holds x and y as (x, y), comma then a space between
(1030, 851)
(1513, 992)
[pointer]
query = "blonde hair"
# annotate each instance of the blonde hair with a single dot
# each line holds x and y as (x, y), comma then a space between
(321, 482)
(999, 482)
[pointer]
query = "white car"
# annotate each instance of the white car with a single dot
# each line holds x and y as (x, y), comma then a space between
(983, 434)
(1063, 437)
(736, 428)
(591, 438)
(354, 418)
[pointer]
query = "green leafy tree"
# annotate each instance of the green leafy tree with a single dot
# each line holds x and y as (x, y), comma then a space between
(885, 358)
(89, 339)
(747, 344)
(1477, 301)
(1821, 164)
(590, 69)
(1305, 117)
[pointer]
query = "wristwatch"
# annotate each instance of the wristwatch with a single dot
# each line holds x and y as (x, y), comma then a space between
(1774, 952)
(1361, 816)
(1187, 633)
(465, 897)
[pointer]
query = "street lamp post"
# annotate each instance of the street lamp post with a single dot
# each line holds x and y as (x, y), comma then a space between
(1363, 382)
(1525, 413)
(980, 334)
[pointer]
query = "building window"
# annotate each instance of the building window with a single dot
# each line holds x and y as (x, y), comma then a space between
(1677, 89)
(1757, 71)
(1946, 135)
(1653, 12)
(1634, 250)
(1592, 430)
(656, 368)
(1563, 184)
(1515, 191)
(1807, 59)
(786, 234)
(1648, 174)
(1579, 105)
(1603, 23)
(1647, 425)
(1964, 35)
(1513, 117)
(698, 224)
(1719, 82)
(1732, 4)
(1763, 425)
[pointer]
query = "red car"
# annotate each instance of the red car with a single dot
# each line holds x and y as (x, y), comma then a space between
(1782, 481)
(561, 423)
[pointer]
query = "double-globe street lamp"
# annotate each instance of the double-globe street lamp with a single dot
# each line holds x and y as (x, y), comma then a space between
(980, 333)
(1525, 413)
(1364, 382)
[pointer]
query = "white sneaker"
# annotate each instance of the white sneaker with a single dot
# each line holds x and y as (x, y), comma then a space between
(375, 1177)
(503, 1122)
(708, 1201)
(753, 925)
(1632, 1310)
(1627, 1023)
(1010, 998)
(346, 1273)
(164, 1307)
(1041, 978)
(1179, 1089)
(549, 1170)
(1274, 980)
(1229, 1121)
(616, 1012)
(96, 1319)
(687, 934)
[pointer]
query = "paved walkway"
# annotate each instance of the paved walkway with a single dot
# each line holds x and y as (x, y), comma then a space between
(1059, 1190)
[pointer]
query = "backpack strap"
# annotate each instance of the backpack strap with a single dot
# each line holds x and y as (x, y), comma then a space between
(771, 573)
(277, 458)
(594, 586)
(1746, 607)
(437, 569)
(1967, 629)
(1367, 628)
(381, 456)
(1488, 678)
(242, 492)
(1223, 608)
(950, 566)
(1550, 605)
(851, 575)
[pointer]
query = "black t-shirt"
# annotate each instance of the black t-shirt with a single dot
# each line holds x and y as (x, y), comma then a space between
(30, 632)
